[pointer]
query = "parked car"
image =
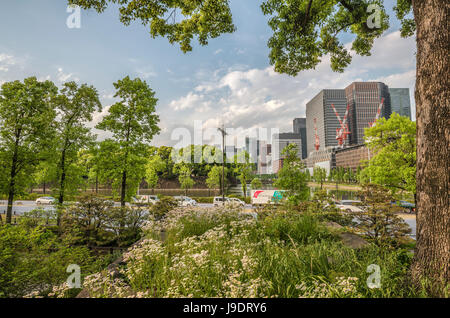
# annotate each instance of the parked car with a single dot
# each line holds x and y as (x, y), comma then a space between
(219, 201)
(150, 199)
(45, 200)
(350, 206)
(185, 201)
(408, 206)
(236, 202)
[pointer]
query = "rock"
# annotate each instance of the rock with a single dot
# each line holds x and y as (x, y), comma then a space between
(333, 225)
(353, 240)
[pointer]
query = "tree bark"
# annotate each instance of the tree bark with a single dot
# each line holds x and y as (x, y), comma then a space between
(63, 177)
(12, 181)
(432, 256)
(124, 186)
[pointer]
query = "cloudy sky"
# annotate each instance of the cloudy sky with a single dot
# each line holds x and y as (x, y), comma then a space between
(228, 81)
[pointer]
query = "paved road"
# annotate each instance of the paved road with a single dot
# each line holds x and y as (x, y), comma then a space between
(20, 207)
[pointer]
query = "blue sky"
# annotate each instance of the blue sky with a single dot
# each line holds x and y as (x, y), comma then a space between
(230, 80)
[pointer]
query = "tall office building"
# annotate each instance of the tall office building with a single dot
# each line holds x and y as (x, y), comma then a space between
(320, 109)
(364, 99)
(400, 101)
(265, 158)
(300, 129)
(253, 149)
(281, 141)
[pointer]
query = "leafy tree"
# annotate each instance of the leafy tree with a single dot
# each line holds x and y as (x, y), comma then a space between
(214, 179)
(304, 31)
(256, 183)
(110, 166)
(165, 153)
(379, 221)
(44, 174)
(92, 157)
(392, 143)
(27, 119)
(85, 223)
(33, 259)
(154, 166)
(243, 167)
(291, 176)
(75, 106)
(133, 123)
(179, 21)
(184, 177)
(320, 175)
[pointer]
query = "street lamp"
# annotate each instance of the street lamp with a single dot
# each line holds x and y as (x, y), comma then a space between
(224, 133)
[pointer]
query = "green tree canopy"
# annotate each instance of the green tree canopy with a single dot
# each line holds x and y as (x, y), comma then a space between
(243, 168)
(392, 144)
(133, 123)
(26, 130)
(178, 20)
(75, 106)
(292, 177)
(256, 183)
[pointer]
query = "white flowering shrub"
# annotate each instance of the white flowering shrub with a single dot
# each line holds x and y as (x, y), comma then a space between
(224, 253)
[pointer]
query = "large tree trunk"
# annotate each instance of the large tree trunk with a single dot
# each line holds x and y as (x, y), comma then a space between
(432, 257)
(12, 183)
(63, 177)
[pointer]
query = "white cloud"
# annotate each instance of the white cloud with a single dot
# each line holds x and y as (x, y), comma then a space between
(6, 61)
(64, 77)
(191, 101)
(146, 73)
(253, 98)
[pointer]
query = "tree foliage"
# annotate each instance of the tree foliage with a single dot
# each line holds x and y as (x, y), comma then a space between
(256, 183)
(304, 31)
(75, 106)
(243, 168)
(26, 130)
(392, 143)
(178, 20)
(379, 220)
(133, 123)
(292, 177)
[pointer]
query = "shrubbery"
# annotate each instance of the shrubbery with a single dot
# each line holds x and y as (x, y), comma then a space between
(224, 253)
(33, 259)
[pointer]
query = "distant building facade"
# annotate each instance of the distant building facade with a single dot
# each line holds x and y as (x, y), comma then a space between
(351, 157)
(320, 109)
(252, 147)
(281, 141)
(299, 126)
(265, 158)
(364, 99)
(400, 101)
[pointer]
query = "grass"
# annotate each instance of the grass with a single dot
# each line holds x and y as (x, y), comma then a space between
(220, 253)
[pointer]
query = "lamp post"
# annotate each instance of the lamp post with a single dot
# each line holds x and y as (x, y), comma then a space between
(224, 133)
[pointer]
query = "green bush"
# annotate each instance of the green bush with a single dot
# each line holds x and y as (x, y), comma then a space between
(33, 260)
(221, 253)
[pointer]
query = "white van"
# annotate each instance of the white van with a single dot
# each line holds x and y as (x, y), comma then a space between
(150, 199)
(185, 201)
(218, 201)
